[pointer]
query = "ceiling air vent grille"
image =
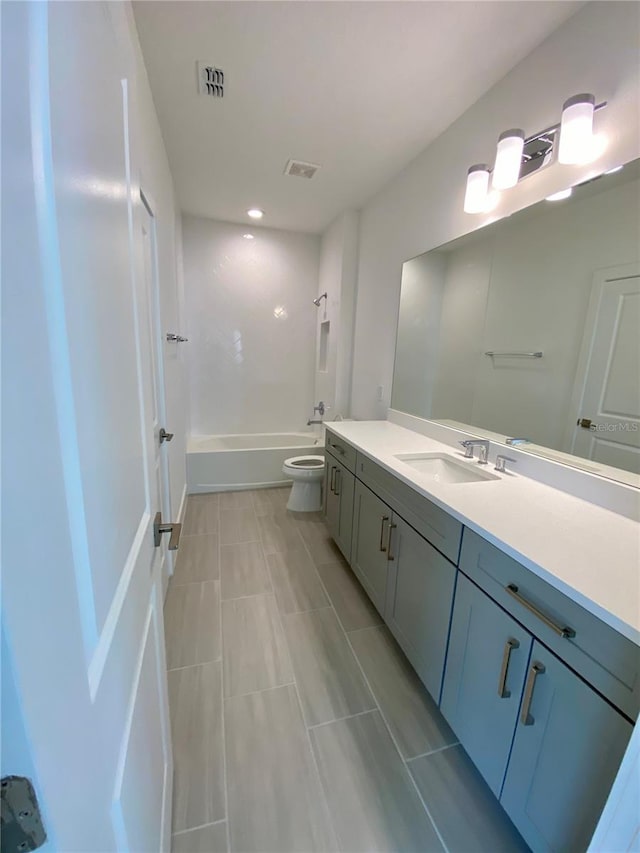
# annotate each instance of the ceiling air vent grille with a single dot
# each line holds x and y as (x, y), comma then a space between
(210, 80)
(300, 169)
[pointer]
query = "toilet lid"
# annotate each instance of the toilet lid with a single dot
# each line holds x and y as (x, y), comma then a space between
(305, 462)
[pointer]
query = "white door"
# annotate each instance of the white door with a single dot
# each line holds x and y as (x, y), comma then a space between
(148, 236)
(606, 416)
(81, 597)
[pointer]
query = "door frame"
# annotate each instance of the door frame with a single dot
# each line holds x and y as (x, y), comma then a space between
(600, 280)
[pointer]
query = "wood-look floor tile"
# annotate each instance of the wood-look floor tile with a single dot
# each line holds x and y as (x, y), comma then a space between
(310, 525)
(295, 581)
(463, 807)
(241, 499)
(255, 650)
(207, 839)
(243, 570)
(192, 624)
(201, 515)
(352, 604)
(372, 800)
(270, 501)
(197, 559)
(238, 525)
(278, 533)
(195, 701)
(413, 717)
(276, 804)
(324, 550)
(327, 674)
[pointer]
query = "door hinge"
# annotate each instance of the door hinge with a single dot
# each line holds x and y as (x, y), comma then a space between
(21, 825)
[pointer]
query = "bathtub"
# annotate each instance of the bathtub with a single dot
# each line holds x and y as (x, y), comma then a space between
(220, 463)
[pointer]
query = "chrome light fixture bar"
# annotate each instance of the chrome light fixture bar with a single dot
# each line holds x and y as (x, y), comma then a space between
(517, 156)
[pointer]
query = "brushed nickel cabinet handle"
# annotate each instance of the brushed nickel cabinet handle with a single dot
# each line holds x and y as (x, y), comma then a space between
(382, 521)
(337, 447)
(537, 669)
(565, 632)
(333, 477)
(392, 527)
(509, 646)
(338, 481)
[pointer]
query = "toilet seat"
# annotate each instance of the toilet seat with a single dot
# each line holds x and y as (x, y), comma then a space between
(305, 463)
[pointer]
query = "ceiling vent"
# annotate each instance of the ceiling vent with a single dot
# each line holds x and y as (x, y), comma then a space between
(210, 80)
(300, 169)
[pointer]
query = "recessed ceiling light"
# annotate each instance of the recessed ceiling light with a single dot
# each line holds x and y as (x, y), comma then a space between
(560, 195)
(615, 169)
(255, 213)
(248, 236)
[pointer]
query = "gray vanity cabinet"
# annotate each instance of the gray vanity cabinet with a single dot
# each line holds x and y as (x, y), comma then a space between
(420, 585)
(371, 533)
(567, 749)
(339, 486)
(486, 670)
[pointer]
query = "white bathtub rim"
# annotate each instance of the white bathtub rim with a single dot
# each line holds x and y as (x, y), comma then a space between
(314, 440)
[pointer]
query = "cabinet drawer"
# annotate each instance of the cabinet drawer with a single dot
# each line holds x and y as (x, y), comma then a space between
(437, 526)
(602, 656)
(341, 450)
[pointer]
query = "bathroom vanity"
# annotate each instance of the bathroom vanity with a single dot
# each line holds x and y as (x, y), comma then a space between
(517, 604)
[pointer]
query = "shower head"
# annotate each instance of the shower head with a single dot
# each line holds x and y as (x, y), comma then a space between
(317, 301)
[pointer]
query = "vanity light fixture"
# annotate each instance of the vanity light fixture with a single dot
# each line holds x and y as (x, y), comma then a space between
(576, 129)
(248, 236)
(571, 140)
(506, 170)
(476, 195)
(255, 213)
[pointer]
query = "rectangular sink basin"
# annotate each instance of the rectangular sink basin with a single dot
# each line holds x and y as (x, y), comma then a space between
(441, 468)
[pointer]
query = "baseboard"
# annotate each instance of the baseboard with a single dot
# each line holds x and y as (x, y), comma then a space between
(207, 488)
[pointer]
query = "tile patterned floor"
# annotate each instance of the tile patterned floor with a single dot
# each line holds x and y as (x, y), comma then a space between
(297, 722)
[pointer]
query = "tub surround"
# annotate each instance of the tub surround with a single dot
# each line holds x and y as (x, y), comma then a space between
(589, 553)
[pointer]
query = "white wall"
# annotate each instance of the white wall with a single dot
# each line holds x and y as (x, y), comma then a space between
(596, 51)
(251, 325)
(337, 278)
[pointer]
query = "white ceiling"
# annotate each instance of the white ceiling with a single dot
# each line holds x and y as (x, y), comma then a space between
(358, 87)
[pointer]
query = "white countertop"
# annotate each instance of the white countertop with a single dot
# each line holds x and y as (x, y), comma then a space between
(589, 553)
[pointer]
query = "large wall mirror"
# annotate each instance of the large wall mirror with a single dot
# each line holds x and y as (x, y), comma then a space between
(528, 330)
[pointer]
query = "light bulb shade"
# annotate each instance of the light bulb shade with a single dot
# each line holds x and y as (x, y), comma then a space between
(576, 129)
(508, 159)
(475, 197)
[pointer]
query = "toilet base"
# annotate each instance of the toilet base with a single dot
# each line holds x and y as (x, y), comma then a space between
(305, 496)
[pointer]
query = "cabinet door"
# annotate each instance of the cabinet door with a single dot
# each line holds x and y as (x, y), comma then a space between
(343, 489)
(371, 520)
(568, 746)
(484, 678)
(418, 602)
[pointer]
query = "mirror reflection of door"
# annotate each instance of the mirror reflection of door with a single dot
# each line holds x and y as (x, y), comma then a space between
(608, 375)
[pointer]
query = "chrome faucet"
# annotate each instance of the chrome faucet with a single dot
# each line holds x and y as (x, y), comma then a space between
(320, 409)
(481, 443)
(501, 460)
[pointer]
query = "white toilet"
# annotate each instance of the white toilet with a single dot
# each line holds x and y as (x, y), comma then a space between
(307, 473)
